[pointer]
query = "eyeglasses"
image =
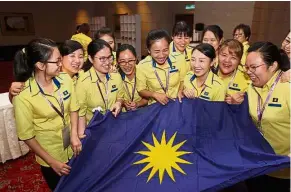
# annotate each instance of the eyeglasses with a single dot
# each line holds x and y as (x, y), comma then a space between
(238, 35)
(104, 59)
(129, 62)
(58, 62)
(252, 68)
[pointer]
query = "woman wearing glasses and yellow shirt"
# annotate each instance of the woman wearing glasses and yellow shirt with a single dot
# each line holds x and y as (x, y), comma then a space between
(97, 88)
(126, 59)
(242, 33)
(201, 82)
(46, 110)
(160, 75)
(72, 63)
(269, 107)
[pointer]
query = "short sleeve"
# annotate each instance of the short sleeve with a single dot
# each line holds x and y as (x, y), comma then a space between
(23, 118)
(140, 79)
(81, 95)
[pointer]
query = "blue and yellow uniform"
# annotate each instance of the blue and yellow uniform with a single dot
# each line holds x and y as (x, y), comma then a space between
(213, 89)
(275, 123)
(238, 82)
(35, 118)
(89, 96)
(187, 53)
(175, 69)
(84, 40)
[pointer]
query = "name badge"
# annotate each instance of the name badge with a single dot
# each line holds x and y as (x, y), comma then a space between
(66, 137)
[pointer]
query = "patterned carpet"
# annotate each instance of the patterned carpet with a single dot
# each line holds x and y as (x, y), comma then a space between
(22, 175)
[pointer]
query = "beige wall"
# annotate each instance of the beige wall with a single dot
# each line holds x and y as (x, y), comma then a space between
(225, 14)
(55, 20)
(271, 21)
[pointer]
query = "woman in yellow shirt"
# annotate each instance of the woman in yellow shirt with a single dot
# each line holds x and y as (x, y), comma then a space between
(126, 59)
(213, 35)
(201, 82)
(160, 75)
(269, 107)
(72, 63)
(97, 88)
(242, 33)
(234, 78)
(181, 35)
(107, 35)
(46, 110)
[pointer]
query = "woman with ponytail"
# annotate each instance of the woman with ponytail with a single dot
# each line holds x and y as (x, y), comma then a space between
(46, 110)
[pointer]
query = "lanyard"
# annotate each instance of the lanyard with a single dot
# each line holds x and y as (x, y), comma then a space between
(105, 99)
(204, 86)
(60, 102)
(133, 89)
(260, 110)
(186, 55)
(165, 88)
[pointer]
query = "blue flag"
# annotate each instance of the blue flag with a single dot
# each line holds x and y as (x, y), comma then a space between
(191, 146)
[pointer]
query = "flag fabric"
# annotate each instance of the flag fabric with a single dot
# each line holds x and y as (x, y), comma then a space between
(192, 146)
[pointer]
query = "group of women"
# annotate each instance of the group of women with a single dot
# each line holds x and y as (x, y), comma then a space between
(57, 91)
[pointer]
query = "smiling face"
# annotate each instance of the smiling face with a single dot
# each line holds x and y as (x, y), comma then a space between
(257, 69)
(210, 38)
(181, 42)
(286, 44)
(159, 51)
(127, 62)
(200, 63)
(73, 62)
(102, 60)
(228, 61)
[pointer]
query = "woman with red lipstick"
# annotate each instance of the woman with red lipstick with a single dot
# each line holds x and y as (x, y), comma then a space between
(269, 107)
(201, 82)
(126, 60)
(160, 75)
(97, 88)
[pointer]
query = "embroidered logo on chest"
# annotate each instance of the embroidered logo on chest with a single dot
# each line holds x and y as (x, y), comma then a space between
(65, 93)
(235, 85)
(275, 100)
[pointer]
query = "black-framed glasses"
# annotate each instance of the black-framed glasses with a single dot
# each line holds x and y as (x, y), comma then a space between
(58, 62)
(104, 59)
(252, 68)
(129, 62)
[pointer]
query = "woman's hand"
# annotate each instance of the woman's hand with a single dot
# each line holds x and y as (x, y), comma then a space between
(162, 98)
(60, 168)
(236, 98)
(116, 108)
(180, 96)
(16, 88)
(76, 145)
(189, 93)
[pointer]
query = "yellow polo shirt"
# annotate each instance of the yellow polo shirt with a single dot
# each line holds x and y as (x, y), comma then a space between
(147, 80)
(130, 85)
(84, 40)
(240, 82)
(246, 46)
(89, 96)
(187, 53)
(214, 88)
(276, 117)
(35, 118)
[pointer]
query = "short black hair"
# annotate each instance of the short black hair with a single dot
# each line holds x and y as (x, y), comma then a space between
(85, 28)
(245, 28)
(104, 31)
(69, 46)
(206, 49)
(181, 28)
(124, 47)
(155, 35)
(215, 29)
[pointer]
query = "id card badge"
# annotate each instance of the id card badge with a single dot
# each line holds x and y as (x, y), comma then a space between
(66, 137)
